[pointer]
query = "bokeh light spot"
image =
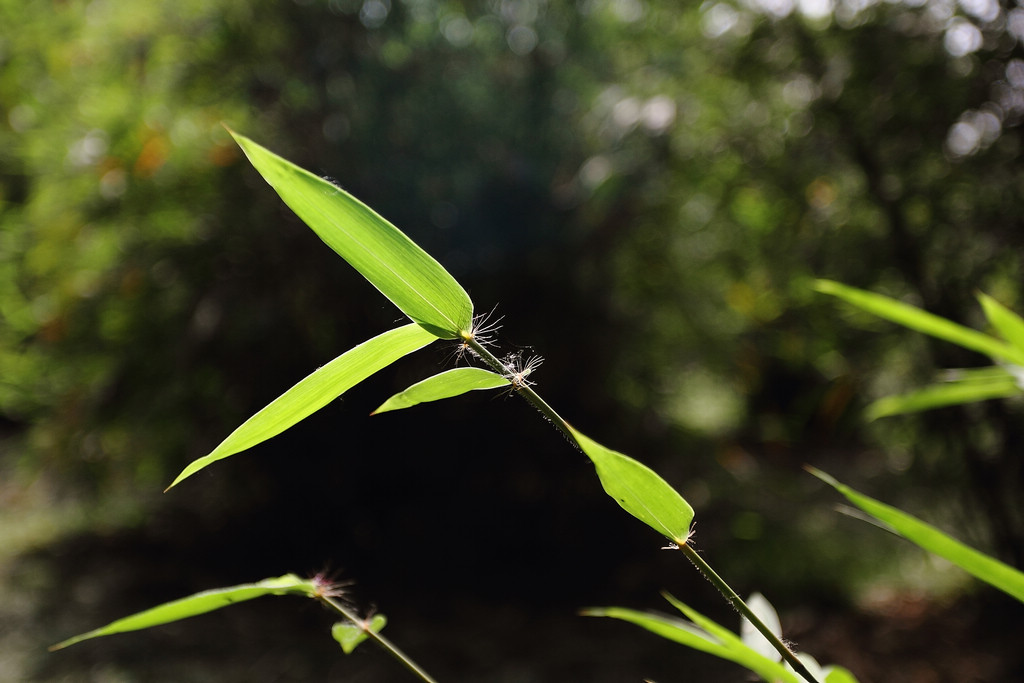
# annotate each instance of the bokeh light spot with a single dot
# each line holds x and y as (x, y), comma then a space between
(962, 38)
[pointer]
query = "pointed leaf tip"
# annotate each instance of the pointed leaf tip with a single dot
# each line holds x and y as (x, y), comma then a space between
(447, 384)
(639, 490)
(1009, 325)
(922, 321)
(383, 254)
(702, 634)
(988, 569)
(194, 605)
(824, 476)
(315, 391)
(1000, 384)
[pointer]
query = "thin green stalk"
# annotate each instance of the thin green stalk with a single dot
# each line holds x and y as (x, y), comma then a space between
(523, 390)
(381, 640)
(703, 567)
(737, 602)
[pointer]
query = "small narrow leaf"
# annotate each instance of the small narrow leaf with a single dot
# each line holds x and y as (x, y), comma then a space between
(988, 569)
(444, 385)
(639, 490)
(676, 630)
(767, 668)
(349, 635)
(1009, 325)
(943, 394)
(315, 391)
(922, 321)
(382, 253)
(707, 636)
(200, 603)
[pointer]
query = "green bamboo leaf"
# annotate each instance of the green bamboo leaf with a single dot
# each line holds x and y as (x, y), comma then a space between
(768, 668)
(670, 628)
(315, 391)
(1009, 325)
(705, 635)
(922, 321)
(975, 387)
(741, 653)
(444, 385)
(382, 253)
(692, 636)
(349, 635)
(639, 490)
(200, 603)
(988, 569)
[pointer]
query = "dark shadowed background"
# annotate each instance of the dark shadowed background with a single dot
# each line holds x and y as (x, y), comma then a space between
(642, 190)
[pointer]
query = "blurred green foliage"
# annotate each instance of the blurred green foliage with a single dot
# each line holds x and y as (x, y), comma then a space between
(659, 181)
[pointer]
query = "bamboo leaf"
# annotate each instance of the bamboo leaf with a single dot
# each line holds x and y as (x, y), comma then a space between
(922, 321)
(200, 603)
(382, 253)
(972, 389)
(349, 635)
(768, 668)
(1009, 325)
(695, 637)
(670, 628)
(315, 391)
(639, 490)
(988, 569)
(444, 385)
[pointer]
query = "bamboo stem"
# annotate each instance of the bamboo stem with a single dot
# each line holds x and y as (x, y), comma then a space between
(737, 602)
(524, 390)
(381, 640)
(703, 567)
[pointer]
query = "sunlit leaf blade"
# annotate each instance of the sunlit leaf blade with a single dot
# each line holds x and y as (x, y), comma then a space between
(200, 603)
(639, 490)
(315, 391)
(382, 253)
(444, 385)
(741, 653)
(670, 628)
(922, 321)
(988, 569)
(692, 636)
(349, 635)
(1009, 325)
(943, 394)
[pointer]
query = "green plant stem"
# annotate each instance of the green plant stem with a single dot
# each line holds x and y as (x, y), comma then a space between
(703, 567)
(531, 396)
(381, 640)
(737, 602)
